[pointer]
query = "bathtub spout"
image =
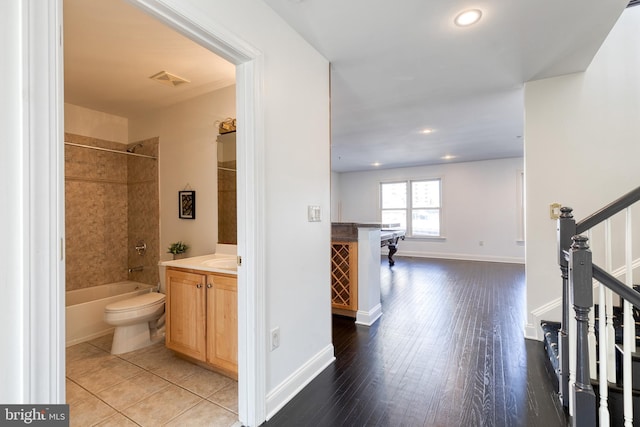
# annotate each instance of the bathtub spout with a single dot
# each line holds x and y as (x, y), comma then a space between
(134, 269)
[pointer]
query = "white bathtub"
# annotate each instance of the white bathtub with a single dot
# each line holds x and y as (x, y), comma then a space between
(85, 308)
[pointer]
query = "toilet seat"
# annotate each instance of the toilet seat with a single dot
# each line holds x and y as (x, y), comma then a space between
(136, 303)
(140, 308)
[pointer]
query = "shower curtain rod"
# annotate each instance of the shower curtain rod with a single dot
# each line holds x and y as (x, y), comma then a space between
(110, 150)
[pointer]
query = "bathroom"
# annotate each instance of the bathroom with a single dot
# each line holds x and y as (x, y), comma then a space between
(118, 202)
(121, 199)
(114, 206)
(115, 201)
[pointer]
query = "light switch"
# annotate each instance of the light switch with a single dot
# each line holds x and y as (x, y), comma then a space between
(554, 210)
(313, 213)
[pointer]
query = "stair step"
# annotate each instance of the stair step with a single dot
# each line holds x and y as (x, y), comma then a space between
(618, 314)
(635, 366)
(550, 342)
(615, 403)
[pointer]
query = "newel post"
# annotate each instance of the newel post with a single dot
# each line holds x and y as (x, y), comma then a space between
(581, 281)
(566, 230)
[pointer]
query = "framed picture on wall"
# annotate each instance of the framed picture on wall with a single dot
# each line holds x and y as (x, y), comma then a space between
(187, 204)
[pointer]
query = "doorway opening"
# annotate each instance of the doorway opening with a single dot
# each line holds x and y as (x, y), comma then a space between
(248, 72)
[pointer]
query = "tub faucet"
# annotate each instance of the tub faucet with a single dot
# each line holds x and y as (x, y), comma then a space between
(141, 247)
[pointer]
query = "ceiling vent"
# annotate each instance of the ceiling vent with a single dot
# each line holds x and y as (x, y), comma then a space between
(633, 3)
(168, 79)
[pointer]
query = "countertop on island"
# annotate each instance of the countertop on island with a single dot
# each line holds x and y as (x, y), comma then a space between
(215, 263)
(348, 231)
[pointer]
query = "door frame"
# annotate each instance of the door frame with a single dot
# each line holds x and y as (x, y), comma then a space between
(43, 315)
(250, 196)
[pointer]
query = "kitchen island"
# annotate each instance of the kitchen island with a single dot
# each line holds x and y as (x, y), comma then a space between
(355, 267)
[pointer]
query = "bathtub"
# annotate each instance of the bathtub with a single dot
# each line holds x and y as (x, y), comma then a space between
(85, 308)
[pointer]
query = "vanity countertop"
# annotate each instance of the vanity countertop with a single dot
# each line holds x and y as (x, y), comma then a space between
(215, 263)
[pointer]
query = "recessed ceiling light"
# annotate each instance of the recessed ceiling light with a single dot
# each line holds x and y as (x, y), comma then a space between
(376, 164)
(468, 17)
(426, 131)
(448, 157)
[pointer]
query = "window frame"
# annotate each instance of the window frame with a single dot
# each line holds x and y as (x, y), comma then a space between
(409, 208)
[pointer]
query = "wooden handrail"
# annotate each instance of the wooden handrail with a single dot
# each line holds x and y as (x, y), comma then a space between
(629, 294)
(608, 211)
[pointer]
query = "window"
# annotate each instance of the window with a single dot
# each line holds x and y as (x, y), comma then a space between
(416, 205)
(394, 203)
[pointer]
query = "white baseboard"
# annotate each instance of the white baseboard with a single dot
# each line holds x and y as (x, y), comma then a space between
(368, 318)
(532, 332)
(462, 257)
(283, 393)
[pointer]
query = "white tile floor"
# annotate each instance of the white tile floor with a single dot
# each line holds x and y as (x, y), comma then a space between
(148, 387)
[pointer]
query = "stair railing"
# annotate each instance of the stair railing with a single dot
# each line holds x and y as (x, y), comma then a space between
(578, 275)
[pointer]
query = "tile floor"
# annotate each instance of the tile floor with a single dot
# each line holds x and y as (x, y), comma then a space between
(147, 387)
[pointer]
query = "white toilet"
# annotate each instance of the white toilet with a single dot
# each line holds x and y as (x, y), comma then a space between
(136, 320)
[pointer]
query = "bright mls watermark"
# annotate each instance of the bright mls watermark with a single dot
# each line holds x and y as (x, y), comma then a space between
(34, 415)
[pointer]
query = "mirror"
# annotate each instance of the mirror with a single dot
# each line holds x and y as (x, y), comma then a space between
(227, 207)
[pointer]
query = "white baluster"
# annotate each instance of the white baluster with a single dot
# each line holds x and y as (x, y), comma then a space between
(629, 328)
(591, 338)
(573, 353)
(604, 361)
(608, 309)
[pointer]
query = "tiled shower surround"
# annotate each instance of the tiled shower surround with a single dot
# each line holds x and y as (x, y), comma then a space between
(111, 203)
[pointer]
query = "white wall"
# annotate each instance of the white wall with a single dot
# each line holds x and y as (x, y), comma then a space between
(14, 307)
(32, 223)
(581, 150)
(188, 156)
(336, 208)
(479, 204)
(96, 124)
(295, 113)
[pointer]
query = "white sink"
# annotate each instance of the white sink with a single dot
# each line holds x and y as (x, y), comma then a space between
(212, 262)
(225, 264)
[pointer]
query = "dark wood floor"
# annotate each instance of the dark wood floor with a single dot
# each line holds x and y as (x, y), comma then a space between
(448, 351)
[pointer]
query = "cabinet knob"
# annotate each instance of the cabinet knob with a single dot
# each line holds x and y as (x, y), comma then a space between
(199, 285)
(209, 285)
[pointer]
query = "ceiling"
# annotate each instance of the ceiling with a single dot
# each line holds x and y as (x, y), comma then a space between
(401, 67)
(397, 69)
(112, 48)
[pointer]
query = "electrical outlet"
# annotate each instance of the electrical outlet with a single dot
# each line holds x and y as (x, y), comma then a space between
(275, 338)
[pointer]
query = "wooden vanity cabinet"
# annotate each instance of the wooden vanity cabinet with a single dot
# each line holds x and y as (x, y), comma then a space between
(222, 322)
(186, 310)
(202, 319)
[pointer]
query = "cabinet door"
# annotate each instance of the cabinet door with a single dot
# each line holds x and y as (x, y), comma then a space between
(222, 322)
(344, 275)
(185, 331)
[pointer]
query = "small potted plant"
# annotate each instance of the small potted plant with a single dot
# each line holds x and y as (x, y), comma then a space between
(178, 249)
